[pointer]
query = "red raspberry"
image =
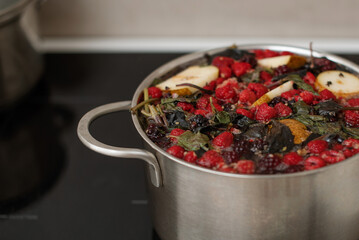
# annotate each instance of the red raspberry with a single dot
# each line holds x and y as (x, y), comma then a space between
(282, 109)
(327, 95)
(176, 132)
(154, 92)
(223, 140)
(245, 112)
(225, 93)
(307, 97)
(225, 168)
(186, 106)
(176, 151)
(231, 82)
(289, 95)
(203, 102)
(349, 152)
(222, 61)
(284, 53)
(352, 118)
(246, 166)
(216, 106)
(201, 112)
(211, 86)
(338, 147)
(269, 53)
(225, 72)
(258, 89)
(240, 68)
(317, 146)
(266, 77)
(219, 81)
(354, 102)
(247, 96)
(259, 53)
(332, 156)
(210, 159)
(265, 113)
(292, 158)
(313, 162)
(190, 157)
(351, 143)
(309, 78)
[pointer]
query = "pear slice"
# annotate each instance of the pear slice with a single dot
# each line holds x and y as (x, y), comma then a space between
(274, 93)
(340, 83)
(292, 61)
(196, 75)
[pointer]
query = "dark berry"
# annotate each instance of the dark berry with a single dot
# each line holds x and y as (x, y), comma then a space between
(282, 70)
(231, 156)
(268, 163)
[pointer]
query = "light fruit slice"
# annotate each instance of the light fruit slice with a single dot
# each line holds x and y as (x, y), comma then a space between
(292, 61)
(274, 93)
(196, 75)
(340, 83)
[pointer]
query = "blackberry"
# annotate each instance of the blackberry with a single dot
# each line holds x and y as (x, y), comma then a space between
(157, 133)
(257, 145)
(294, 168)
(324, 64)
(276, 100)
(241, 146)
(268, 164)
(231, 157)
(284, 69)
(198, 121)
(249, 58)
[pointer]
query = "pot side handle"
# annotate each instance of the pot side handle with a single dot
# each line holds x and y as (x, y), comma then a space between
(90, 142)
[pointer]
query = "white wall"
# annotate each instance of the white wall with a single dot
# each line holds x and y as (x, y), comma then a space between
(205, 19)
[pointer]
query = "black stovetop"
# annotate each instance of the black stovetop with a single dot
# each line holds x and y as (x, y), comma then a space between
(51, 185)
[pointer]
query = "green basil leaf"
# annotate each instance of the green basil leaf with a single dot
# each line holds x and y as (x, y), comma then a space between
(353, 132)
(301, 107)
(223, 117)
(301, 84)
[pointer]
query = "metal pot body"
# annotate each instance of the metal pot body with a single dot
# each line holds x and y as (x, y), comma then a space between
(20, 64)
(193, 204)
(189, 202)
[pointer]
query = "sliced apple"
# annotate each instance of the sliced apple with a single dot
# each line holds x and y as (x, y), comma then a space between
(196, 75)
(292, 61)
(274, 93)
(340, 83)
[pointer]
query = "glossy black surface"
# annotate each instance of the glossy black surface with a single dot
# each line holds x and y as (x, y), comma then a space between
(52, 186)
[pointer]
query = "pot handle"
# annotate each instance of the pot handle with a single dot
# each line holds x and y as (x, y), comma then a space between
(90, 142)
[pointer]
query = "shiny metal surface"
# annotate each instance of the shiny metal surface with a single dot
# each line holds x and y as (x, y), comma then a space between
(20, 65)
(92, 143)
(198, 203)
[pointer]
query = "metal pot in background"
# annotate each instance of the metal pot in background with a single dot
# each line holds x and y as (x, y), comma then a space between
(20, 64)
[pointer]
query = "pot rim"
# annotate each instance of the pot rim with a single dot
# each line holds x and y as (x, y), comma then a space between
(188, 57)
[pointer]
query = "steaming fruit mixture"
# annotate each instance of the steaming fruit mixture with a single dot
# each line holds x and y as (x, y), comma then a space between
(255, 112)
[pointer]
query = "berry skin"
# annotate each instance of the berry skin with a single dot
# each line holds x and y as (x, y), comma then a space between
(201, 112)
(241, 68)
(176, 151)
(230, 156)
(225, 93)
(219, 80)
(210, 159)
(247, 96)
(225, 72)
(282, 109)
(245, 112)
(203, 102)
(317, 146)
(268, 164)
(246, 167)
(265, 76)
(289, 95)
(307, 97)
(309, 78)
(258, 89)
(222, 61)
(190, 157)
(313, 162)
(352, 118)
(186, 106)
(282, 70)
(154, 92)
(327, 95)
(223, 140)
(332, 156)
(176, 132)
(292, 158)
(354, 102)
(265, 113)
(222, 167)
(351, 143)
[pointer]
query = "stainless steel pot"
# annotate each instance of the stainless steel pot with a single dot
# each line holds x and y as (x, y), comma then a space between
(20, 65)
(189, 202)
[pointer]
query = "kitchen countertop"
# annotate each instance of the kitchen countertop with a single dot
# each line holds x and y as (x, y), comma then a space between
(60, 189)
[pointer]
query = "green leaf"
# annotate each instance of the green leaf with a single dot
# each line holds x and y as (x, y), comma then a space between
(353, 132)
(193, 141)
(301, 107)
(223, 117)
(180, 99)
(300, 83)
